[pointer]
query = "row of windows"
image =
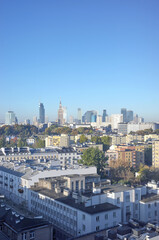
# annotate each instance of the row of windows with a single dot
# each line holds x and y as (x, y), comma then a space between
(67, 224)
(63, 209)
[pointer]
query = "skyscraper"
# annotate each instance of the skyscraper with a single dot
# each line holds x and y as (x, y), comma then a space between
(87, 117)
(130, 116)
(60, 114)
(10, 118)
(41, 113)
(64, 114)
(104, 115)
(79, 115)
(124, 112)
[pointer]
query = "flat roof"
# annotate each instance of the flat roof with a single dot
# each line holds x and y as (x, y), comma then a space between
(104, 207)
(150, 198)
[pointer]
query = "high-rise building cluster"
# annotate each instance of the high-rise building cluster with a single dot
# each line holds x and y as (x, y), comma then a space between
(124, 122)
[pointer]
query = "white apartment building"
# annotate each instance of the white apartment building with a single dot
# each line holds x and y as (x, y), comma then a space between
(67, 156)
(114, 120)
(72, 215)
(126, 128)
(16, 181)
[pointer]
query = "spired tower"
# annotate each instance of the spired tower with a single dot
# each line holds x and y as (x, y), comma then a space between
(60, 114)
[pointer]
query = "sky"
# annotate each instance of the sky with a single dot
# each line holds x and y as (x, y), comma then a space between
(93, 54)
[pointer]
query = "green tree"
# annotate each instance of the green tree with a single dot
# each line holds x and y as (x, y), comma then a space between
(39, 143)
(21, 143)
(94, 157)
(106, 140)
(2, 142)
(96, 139)
(83, 139)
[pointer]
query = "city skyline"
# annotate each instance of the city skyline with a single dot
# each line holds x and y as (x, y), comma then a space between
(62, 117)
(96, 56)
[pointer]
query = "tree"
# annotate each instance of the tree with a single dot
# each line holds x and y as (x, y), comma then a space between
(39, 143)
(96, 139)
(94, 157)
(106, 140)
(21, 143)
(83, 139)
(2, 142)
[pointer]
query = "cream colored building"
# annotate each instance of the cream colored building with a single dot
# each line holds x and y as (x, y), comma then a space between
(64, 140)
(131, 138)
(52, 141)
(118, 139)
(57, 141)
(155, 154)
(151, 137)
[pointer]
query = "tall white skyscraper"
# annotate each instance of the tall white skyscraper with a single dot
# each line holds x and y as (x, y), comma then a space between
(10, 118)
(65, 114)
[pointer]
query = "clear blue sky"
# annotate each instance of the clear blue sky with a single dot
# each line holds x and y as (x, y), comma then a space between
(94, 54)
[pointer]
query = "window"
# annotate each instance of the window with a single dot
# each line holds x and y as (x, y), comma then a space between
(24, 236)
(114, 214)
(82, 185)
(136, 196)
(77, 185)
(106, 225)
(128, 198)
(97, 218)
(155, 204)
(97, 228)
(83, 227)
(127, 209)
(83, 217)
(114, 223)
(32, 235)
(149, 205)
(118, 200)
(72, 186)
(106, 216)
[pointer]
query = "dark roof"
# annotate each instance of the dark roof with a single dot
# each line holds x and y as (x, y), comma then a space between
(19, 223)
(13, 172)
(104, 207)
(150, 197)
(65, 150)
(3, 237)
(71, 202)
(47, 192)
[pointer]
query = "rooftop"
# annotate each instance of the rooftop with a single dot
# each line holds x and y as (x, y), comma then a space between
(150, 198)
(104, 207)
(71, 202)
(17, 222)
